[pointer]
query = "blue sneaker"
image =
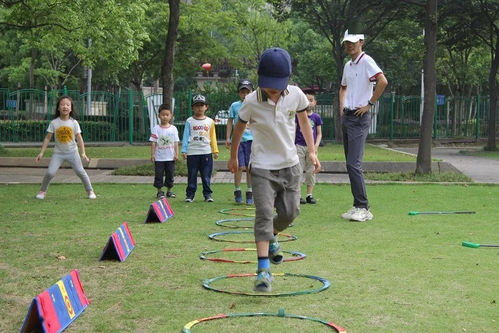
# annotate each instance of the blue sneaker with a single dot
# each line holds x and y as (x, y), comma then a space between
(249, 197)
(238, 196)
(275, 253)
(263, 281)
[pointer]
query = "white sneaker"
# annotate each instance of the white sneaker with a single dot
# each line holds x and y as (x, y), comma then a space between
(40, 195)
(349, 213)
(361, 215)
(91, 195)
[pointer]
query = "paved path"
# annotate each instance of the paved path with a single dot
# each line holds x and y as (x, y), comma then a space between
(480, 169)
(13, 175)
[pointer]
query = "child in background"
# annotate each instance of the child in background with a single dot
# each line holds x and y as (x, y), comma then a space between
(244, 88)
(199, 147)
(67, 140)
(301, 147)
(164, 151)
(275, 167)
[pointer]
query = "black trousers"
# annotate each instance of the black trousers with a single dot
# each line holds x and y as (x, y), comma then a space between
(355, 130)
(164, 169)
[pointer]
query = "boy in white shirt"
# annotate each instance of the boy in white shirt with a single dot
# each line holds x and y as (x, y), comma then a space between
(199, 147)
(275, 168)
(164, 151)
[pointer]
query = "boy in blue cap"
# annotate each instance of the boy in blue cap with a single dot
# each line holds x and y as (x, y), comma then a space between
(243, 89)
(275, 168)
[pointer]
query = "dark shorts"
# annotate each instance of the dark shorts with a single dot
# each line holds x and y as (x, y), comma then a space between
(244, 152)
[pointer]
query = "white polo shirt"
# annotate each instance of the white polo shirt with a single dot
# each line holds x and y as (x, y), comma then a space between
(359, 76)
(273, 127)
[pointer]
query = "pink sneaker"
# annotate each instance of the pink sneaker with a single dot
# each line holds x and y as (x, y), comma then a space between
(40, 195)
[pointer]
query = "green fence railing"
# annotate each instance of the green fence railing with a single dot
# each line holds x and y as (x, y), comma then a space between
(126, 116)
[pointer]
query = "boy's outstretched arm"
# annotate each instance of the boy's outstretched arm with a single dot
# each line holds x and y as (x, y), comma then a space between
(306, 130)
(236, 138)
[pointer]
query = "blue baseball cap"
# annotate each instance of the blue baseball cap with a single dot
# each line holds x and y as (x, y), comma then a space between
(274, 68)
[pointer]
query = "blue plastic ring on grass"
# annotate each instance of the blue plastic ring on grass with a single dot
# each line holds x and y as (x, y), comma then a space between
(325, 284)
(214, 236)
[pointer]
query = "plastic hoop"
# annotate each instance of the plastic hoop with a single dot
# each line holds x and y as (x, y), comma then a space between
(325, 284)
(281, 313)
(223, 223)
(230, 211)
(203, 256)
(214, 236)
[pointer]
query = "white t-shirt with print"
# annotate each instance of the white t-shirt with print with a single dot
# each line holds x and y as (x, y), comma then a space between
(166, 138)
(273, 127)
(359, 76)
(64, 134)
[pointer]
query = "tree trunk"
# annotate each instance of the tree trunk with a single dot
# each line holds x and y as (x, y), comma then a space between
(423, 163)
(491, 141)
(337, 52)
(31, 73)
(171, 37)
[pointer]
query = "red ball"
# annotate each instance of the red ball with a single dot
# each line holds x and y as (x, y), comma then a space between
(206, 66)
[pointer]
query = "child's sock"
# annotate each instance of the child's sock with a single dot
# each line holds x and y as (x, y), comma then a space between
(237, 188)
(263, 263)
(309, 194)
(249, 189)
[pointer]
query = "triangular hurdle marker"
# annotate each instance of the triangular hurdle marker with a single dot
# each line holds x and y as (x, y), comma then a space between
(58, 306)
(159, 211)
(119, 245)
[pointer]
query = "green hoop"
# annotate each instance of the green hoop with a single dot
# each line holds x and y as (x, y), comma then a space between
(204, 256)
(230, 211)
(281, 313)
(214, 236)
(325, 284)
(223, 223)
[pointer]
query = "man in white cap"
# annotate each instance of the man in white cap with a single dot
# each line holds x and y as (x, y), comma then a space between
(356, 99)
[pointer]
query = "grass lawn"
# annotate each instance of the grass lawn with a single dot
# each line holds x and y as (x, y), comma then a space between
(330, 152)
(397, 273)
(481, 153)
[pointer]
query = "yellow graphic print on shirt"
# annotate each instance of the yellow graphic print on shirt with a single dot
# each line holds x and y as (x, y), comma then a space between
(64, 134)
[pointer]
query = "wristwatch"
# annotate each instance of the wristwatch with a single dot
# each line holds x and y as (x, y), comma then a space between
(370, 103)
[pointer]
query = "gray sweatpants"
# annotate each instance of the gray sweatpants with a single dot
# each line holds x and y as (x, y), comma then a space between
(55, 162)
(355, 130)
(279, 189)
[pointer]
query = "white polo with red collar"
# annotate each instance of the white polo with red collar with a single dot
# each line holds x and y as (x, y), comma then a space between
(273, 126)
(359, 76)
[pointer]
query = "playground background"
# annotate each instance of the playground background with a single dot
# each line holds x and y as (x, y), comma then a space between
(127, 116)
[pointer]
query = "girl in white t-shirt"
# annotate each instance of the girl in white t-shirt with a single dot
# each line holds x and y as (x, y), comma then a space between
(67, 140)
(164, 152)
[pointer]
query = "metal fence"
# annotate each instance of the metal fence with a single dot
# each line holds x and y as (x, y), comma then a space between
(399, 117)
(125, 116)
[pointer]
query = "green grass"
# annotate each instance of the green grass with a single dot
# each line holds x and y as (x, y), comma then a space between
(148, 170)
(481, 153)
(412, 177)
(397, 273)
(330, 152)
